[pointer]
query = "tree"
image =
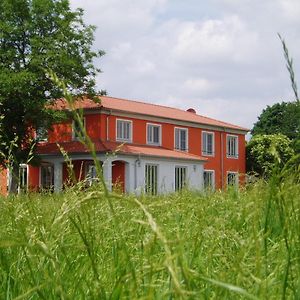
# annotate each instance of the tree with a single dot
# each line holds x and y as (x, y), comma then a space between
(265, 152)
(36, 36)
(281, 118)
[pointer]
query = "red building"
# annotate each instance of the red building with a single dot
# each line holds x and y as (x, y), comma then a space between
(142, 147)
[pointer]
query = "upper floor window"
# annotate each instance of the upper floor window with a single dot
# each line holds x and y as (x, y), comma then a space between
(208, 145)
(41, 134)
(232, 146)
(209, 179)
(77, 132)
(153, 134)
(181, 139)
(232, 179)
(124, 130)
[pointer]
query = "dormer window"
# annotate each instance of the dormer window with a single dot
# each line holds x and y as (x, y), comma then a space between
(181, 139)
(124, 130)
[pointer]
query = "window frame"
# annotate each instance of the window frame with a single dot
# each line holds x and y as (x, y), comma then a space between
(23, 168)
(236, 174)
(204, 152)
(186, 140)
(159, 134)
(151, 190)
(182, 184)
(74, 135)
(236, 154)
(129, 140)
(213, 184)
(37, 134)
(90, 180)
(51, 166)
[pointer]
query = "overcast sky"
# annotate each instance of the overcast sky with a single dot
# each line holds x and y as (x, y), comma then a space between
(221, 57)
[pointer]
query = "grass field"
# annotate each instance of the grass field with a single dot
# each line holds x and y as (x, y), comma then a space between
(85, 245)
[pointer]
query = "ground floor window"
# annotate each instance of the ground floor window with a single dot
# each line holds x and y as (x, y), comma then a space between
(209, 179)
(151, 179)
(232, 179)
(22, 177)
(91, 174)
(180, 178)
(47, 176)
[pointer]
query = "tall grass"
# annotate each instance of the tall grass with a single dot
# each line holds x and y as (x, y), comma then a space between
(82, 245)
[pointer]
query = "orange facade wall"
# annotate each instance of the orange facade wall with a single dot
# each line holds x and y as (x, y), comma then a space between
(3, 182)
(118, 175)
(103, 126)
(33, 178)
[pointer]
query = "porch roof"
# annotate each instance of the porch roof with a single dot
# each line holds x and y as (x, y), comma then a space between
(76, 147)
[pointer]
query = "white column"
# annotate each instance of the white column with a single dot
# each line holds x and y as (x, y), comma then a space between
(58, 170)
(130, 176)
(107, 173)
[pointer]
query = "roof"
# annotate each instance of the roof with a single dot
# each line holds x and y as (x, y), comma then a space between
(149, 109)
(76, 147)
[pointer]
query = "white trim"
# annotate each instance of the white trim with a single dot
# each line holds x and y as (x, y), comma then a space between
(74, 138)
(187, 139)
(204, 153)
(213, 181)
(160, 134)
(130, 131)
(236, 137)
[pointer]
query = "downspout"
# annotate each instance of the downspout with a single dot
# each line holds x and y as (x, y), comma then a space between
(222, 159)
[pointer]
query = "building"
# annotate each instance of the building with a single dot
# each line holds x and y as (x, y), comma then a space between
(142, 148)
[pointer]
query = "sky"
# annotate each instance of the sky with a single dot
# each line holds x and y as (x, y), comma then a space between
(221, 57)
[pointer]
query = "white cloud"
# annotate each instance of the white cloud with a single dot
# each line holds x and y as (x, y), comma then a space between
(226, 60)
(214, 41)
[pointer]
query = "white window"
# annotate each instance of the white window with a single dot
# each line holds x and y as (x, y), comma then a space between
(232, 179)
(91, 174)
(77, 132)
(209, 179)
(124, 130)
(181, 139)
(153, 134)
(232, 146)
(47, 176)
(42, 134)
(22, 178)
(180, 178)
(151, 179)
(208, 143)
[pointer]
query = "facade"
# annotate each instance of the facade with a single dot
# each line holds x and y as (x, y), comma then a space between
(142, 147)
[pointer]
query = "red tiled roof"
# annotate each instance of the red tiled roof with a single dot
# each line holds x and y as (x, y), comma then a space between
(147, 109)
(76, 147)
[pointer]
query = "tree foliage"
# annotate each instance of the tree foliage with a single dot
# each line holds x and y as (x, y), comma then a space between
(280, 118)
(36, 36)
(266, 152)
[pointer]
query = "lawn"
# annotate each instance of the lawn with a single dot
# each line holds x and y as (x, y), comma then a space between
(87, 245)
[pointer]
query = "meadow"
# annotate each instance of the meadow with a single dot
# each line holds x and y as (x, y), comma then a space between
(86, 244)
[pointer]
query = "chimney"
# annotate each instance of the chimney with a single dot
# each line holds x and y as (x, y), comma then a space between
(191, 110)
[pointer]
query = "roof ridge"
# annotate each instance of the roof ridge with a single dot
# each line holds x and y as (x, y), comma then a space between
(175, 108)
